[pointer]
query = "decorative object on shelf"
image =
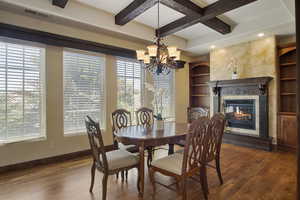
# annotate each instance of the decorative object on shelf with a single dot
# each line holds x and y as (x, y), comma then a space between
(233, 64)
(157, 103)
(160, 58)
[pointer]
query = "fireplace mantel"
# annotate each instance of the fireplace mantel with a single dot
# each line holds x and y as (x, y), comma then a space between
(245, 87)
(250, 86)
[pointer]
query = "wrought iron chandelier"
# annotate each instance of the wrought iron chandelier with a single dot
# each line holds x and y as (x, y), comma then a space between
(160, 58)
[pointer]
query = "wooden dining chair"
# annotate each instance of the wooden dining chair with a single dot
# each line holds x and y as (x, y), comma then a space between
(108, 163)
(203, 144)
(215, 132)
(121, 118)
(188, 164)
(144, 116)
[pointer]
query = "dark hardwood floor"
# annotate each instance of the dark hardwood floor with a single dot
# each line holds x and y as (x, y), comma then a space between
(247, 173)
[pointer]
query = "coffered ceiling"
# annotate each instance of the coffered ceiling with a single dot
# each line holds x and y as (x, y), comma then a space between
(272, 17)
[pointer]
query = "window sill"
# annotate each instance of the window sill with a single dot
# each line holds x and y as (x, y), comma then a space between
(78, 133)
(23, 140)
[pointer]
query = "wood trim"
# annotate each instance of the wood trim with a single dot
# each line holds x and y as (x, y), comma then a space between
(298, 91)
(133, 10)
(17, 32)
(49, 160)
(195, 14)
(248, 141)
(60, 3)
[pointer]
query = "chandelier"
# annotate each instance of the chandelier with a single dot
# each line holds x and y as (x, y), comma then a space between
(160, 58)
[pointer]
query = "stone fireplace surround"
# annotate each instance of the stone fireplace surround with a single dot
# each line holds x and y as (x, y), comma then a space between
(248, 88)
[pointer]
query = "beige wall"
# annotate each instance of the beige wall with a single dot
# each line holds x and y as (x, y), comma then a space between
(56, 143)
(256, 58)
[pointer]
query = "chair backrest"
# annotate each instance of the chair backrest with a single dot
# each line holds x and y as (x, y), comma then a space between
(196, 145)
(144, 116)
(96, 143)
(197, 112)
(215, 132)
(121, 118)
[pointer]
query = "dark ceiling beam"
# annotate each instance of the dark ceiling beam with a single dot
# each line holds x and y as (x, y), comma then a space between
(192, 12)
(207, 17)
(185, 7)
(60, 3)
(133, 10)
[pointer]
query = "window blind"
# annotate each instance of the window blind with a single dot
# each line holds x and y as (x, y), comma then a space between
(130, 77)
(21, 91)
(83, 90)
(166, 82)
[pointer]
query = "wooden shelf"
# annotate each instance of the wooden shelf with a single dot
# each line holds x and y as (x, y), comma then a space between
(288, 79)
(287, 123)
(287, 113)
(200, 95)
(200, 85)
(288, 64)
(287, 94)
(199, 75)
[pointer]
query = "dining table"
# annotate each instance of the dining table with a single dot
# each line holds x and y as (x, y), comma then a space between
(145, 136)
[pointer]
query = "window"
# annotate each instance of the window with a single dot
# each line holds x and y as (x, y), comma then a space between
(21, 92)
(166, 82)
(130, 80)
(83, 90)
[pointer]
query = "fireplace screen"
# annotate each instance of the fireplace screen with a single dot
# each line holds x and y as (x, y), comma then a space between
(240, 113)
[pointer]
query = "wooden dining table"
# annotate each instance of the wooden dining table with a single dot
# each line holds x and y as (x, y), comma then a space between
(149, 136)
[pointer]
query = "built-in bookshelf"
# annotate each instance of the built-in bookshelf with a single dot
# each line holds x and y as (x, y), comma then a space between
(287, 134)
(199, 89)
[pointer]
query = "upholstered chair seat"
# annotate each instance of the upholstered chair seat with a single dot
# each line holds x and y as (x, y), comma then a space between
(171, 163)
(125, 147)
(120, 159)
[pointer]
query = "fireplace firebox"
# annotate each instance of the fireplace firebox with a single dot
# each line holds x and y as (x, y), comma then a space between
(240, 113)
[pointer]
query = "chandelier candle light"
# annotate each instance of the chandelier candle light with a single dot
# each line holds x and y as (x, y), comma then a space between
(160, 58)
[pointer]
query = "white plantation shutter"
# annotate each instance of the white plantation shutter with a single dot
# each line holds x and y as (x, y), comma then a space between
(21, 92)
(83, 90)
(167, 82)
(130, 77)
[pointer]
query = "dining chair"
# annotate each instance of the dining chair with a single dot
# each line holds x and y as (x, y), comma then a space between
(182, 166)
(196, 112)
(203, 144)
(121, 118)
(144, 116)
(108, 163)
(217, 124)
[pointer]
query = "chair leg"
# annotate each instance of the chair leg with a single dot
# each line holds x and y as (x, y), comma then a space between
(93, 169)
(183, 187)
(126, 175)
(122, 175)
(138, 180)
(117, 175)
(177, 185)
(104, 186)
(152, 179)
(150, 158)
(218, 168)
(171, 149)
(203, 181)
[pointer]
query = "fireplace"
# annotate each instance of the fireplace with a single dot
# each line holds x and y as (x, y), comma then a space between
(240, 113)
(244, 103)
